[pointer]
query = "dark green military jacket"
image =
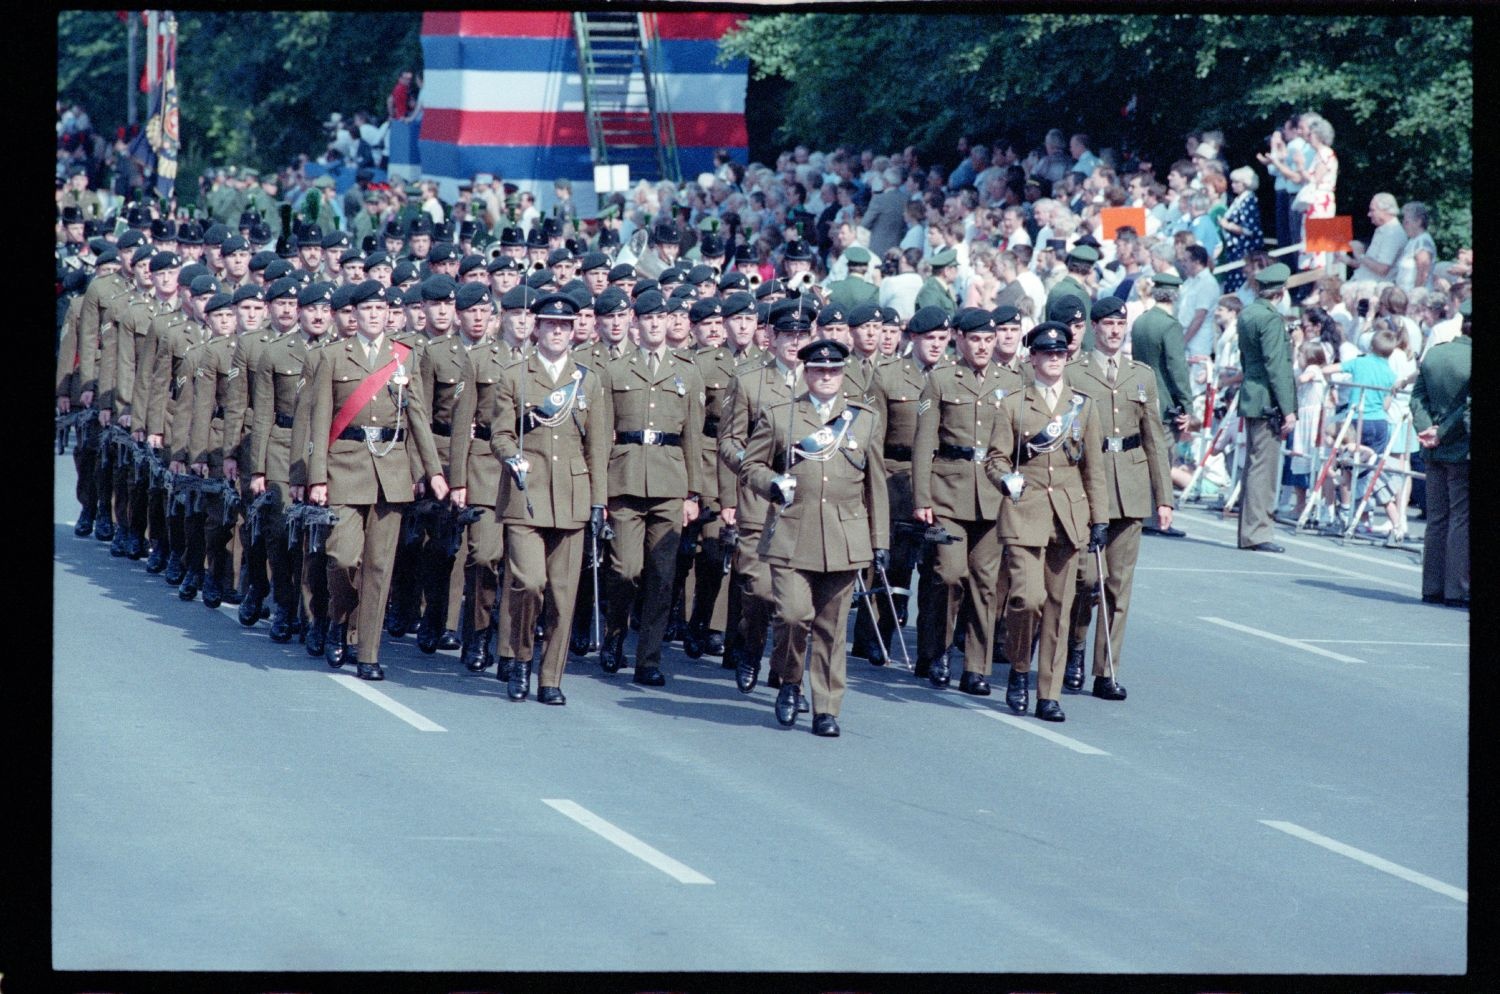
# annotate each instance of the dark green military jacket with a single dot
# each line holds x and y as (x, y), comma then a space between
(1266, 360)
(1156, 339)
(1441, 397)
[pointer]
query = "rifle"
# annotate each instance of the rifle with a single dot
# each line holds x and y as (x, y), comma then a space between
(73, 422)
(230, 503)
(161, 478)
(451, 523)
(599, 530)
(118, 445)
(936, 534)
(311, 520)
(266, 506)
(189, 493)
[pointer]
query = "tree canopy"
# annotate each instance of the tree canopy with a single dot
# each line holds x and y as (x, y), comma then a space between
(1398, 90)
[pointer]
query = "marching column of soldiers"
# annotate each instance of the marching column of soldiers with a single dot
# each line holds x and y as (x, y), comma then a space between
(522, 464)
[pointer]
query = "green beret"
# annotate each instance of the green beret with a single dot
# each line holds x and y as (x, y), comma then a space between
(947, 257)
(1273, 277)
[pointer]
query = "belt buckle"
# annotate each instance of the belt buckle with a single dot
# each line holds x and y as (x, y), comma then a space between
(650, 436)
(1114, 443)
(372, 433)
(979, 453)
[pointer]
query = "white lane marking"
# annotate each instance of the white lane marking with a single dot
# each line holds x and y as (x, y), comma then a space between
(375, 697)
(1369, 859)
(1294, 643)
(1441, 645)
(613, 833)
(1317, 547)
(1035, 727)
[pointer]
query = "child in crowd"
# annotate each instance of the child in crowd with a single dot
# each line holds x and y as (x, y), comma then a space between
(1312, 396)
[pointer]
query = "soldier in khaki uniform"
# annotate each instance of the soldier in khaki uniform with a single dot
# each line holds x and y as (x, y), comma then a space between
(956, 415)
(166, 308)
(442, 368)
(1043, 456)
(170, 411)
(1135, 462)
(759, 385)
(255, 332)
(715, 362)
(653, 407)
(220, 396)
(819, 458)
(371, 441)
(106, 283)
(132, 318)
(550, 423)
(279, 377)
(475, 477)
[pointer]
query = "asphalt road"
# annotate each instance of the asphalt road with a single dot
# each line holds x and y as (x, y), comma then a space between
(1285, 790)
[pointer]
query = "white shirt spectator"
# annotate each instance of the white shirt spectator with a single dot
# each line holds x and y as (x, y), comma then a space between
(1032, 284)
(1385, 247)
(1199, 292)
(900, 291)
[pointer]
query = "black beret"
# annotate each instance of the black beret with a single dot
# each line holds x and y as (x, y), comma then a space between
(405, 270)
(335, 240)
(439, 287)
(442, 252)
(129, 240)
(1066, 310)
(315, 293)
(650, 302)
(377, 259)
(395, 296)
(769, 287)
(708, 307)
(260, 260)
(734, 280)
(684, 291)
(106, 256)
(368, 290)
(343, 296)
(504, 263)
(190, 272)
(559, 255)
(762, 313)
(738, 302)
(1006, 314)
(143, 252)
(250, 291)
(623, 271)
(864, 314)
(218, 302)
(234, 243)
(671, 275)
(612, 301)
(277, 269)
(641, 286)
(472, 294)
(929, 318)
(592, 261)
(519, 298)
(972, 319)
(676, 304)
(539, 278)
(700, 274)
(1107, 306)
(832, 314)
(165, 260)
(793, 315)
(286, 287)
(202, 284)
(351, 255)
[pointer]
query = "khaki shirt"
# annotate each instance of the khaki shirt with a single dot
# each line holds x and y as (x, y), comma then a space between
(756, 388)
(1128, 409)
(671, 402)
(958, 407)
(474, 465)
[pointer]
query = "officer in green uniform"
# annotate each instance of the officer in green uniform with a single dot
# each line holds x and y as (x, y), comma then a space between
(1156, 340)
(854, 289)
(937, 289)
(956, 412)
(365, 465)
(1044, 455)
(1136, 466)
(1440, 415)
(1268, 403)
(549, 434)
(818, 459)
(1076, 284)
(653, 408)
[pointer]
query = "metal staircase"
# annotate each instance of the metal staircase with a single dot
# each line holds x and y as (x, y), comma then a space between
(624, 95)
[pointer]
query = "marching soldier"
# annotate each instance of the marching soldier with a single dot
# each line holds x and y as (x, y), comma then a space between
(475, 478)
(131, 316)
(715, 362)
(653, 407)
(1043, 455)
(442, 367)
(169, 413)
(950, 489)
(549, 434)
(758, 386)
(1135, 464)
(95, 338)
(278, 376)
(366, 466)
(819, 458)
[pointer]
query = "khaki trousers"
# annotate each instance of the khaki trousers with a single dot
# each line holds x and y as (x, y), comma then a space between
(1041, 597)
(361, 553)
(814, 610)
(539, 562)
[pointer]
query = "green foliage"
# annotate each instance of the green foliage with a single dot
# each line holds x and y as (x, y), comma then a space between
(1398, 90)
(253, 87)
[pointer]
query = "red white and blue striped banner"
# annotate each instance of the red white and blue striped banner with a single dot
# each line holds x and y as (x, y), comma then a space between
(501, 94)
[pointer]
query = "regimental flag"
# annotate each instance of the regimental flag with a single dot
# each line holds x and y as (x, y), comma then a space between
(157, 145)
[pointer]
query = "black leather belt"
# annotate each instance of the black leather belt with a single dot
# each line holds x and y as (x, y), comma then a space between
(711, 426)
(283, 420)
(968, 453)
(373, 434)
(900, 453)
(1117, 443)
(648, 437)
(438, 428)
(482, 432)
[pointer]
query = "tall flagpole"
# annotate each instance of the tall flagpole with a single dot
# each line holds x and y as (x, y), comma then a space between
(132, 78)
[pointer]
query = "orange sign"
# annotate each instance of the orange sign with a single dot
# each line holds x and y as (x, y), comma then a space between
(1112, 219)
(1329, 234)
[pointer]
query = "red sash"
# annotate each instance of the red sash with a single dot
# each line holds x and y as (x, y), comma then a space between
(366, 391)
